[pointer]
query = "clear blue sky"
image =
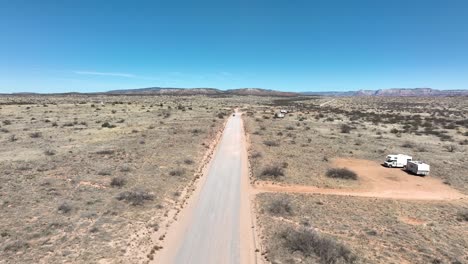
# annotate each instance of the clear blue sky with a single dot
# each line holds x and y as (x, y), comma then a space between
(64, 45)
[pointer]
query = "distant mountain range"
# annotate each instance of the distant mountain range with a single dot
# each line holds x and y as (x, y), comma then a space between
(394, 92)
(203, 91)
(266, 92)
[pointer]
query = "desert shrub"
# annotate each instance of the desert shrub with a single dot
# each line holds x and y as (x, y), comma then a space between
(135, 197)
(310, 242)
(407, 144)
(280, 207)
(6, 122)
(221, 115)
(64, 208)
(358, 142)
(463, 215)
(105, 172)
(256, 155)
(12, 138)
(188, 161)
(35, 135)
(177, 172)
(271, 143)
(24, 167)
(118, 182)
(421, 149)
(68, 124)
(451, 148)
(274, 171)
(4, 130)
(289, 128)
(394, 131)
(344, 128)
(49, 152)
(341, 173)
(16, 245)
(125, 168)
(107, 125)
(464, 142)
(105, 152)
(196, 131)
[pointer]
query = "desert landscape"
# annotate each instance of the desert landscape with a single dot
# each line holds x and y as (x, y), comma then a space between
(103, 178)
(234, 132)
(81, 176)
(322, 195)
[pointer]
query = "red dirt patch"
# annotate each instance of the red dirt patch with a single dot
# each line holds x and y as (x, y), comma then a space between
(375, 181)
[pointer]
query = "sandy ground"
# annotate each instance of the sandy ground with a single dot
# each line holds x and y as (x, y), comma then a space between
(375, 181)
(216, 227)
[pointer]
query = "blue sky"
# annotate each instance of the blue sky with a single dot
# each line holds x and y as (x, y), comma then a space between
(60, 46)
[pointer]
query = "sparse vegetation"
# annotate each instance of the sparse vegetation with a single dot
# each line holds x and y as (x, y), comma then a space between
(35, 135)
(463, 215)
(280, 207)
(451, 148)
(135, 197)
(310, 242)
(341, 173)
(188, 161)
(108, 125)
(177, 172)
(50, 170)
(345, 128)
(118, 182)
(50, 152)
(64, 208)
(271, 143)
(105, 152)
(274, 171)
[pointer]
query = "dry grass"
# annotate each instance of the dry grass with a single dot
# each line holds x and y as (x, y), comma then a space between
(338, 229)
(309, 136)
(374, 230)
(77, 180)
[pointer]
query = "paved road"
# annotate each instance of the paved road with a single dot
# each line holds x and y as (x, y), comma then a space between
(213, 234)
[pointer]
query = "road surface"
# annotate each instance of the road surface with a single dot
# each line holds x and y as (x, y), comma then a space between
(216, 227)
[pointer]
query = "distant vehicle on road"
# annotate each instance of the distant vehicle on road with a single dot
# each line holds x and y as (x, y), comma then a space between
(418, 167)
(397, 161)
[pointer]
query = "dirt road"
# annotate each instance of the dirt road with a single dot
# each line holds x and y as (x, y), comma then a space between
(216, 226)
(375, 181)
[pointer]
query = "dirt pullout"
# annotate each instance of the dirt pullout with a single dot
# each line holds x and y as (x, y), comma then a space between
(375, 181)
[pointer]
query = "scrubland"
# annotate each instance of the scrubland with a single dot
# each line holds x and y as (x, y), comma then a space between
(95, 179)
(326, 146)
(81, 175)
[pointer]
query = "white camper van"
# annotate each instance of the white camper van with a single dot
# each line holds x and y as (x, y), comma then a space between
(418, 167)
(397, 161)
